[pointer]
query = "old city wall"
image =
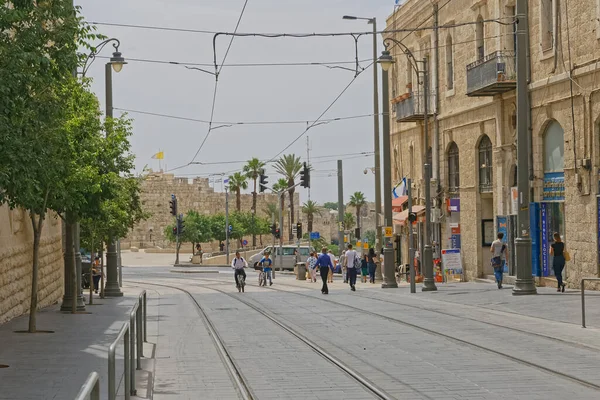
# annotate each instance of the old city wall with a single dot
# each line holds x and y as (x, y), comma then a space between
(16, 260)
(192, 194)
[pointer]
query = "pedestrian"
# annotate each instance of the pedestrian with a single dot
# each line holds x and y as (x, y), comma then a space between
(199, 251)
(498, 250)
(96, 274)
(372, 262)
(364, 268)
(311, 263)
(266, 264)
(557, 250)
(221, 246)
(332, 257)
(238, 264)
(344, 265)
(325, 265)
(352, 263)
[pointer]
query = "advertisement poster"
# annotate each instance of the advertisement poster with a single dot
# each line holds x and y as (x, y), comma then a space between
(452, 262)
(514, 200)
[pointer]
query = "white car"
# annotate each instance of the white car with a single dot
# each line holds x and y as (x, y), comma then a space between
(289, 258)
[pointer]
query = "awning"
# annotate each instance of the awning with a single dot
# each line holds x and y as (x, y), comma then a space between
(398, 203)
(401, 217)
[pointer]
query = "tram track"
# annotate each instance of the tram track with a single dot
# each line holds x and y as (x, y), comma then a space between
(241, 383)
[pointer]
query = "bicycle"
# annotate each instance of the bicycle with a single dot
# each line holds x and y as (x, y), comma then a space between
(262, 278)
(241, 282)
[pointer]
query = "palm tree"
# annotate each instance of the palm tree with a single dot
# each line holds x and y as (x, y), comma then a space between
(252, 170)
(348, 221)
(310, 208)
(237, 182)
(279, 186)
(358, 200)
(289, 166)
(271, 209)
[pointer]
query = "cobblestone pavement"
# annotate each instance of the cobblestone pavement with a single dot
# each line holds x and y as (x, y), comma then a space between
(466, 341)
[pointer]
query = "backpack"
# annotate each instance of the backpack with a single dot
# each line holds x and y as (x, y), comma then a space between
(357, 262)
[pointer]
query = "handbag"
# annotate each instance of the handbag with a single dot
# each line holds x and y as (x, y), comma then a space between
(496, 262)
(357, 262)
(566, 255)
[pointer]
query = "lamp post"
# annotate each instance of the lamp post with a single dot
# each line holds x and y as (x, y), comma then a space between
(386, 61)
(377, 168)
(112, 288)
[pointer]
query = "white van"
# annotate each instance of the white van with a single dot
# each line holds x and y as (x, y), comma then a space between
(289, 260)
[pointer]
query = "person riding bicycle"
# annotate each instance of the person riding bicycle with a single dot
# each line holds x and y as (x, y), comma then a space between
(238, 264)
(266, 264)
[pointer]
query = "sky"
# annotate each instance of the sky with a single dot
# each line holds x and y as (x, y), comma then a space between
(273, 93)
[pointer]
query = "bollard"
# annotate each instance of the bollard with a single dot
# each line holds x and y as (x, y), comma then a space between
(132, 346)
(90, 389)
(583, 298)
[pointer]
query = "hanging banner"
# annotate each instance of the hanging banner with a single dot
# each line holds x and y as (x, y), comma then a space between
(534, 223)
(544, 233)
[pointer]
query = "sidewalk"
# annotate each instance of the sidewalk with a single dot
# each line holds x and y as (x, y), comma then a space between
(55, 365)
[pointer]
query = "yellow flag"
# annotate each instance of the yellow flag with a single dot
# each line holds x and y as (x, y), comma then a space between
(159, 156)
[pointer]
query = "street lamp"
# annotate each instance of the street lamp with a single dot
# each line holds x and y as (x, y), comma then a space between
(386, 61)
(377, 169)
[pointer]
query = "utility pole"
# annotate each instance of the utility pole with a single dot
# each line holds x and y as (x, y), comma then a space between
(428, 282)
(411, 249)
(227, 222)
(281, 194)
(436, 125)
(340, 206)
(308, 163)
(376, 139)
(524, 283)
(177, 240)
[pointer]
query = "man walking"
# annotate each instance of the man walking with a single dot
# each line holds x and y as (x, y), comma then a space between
(325, 265)
(498, 250)
(344, 265)
(352, 261)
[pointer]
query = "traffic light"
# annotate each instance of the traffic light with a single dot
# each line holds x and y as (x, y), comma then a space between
(173, 205)
(263, 181)
(180, 225)
(273, 229)
(412, 217)
(357, 233)
(174, 231)
(299, 230)
(277, 233)
(305, 176)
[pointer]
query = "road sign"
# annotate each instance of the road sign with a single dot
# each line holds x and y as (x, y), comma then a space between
(315, 235)
(230, 228)
(389, 232)
(294, 230)
(366, 246)
(245, 242)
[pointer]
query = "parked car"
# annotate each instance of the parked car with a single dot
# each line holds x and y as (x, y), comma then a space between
(289, 260)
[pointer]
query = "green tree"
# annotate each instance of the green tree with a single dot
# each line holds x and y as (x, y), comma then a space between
(358, 200)
(349, 221)
(331, 205)
(271, 209)
(280, 186)
(252, 170)
(197, 228)
(237, 183)
(310, 208)
(289, 166)
(217, 227)
(38, 48)
(370, 236)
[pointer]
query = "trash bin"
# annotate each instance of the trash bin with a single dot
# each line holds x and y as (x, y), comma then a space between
(301, 271)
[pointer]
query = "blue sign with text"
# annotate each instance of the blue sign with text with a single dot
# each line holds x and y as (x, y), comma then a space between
(544, 239)
(315, 235)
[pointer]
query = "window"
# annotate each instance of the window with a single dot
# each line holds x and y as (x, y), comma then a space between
(453, 169)
(554, 148)
(449, 62)
(409, 76)
(485, 165)
(479, 38)
(546, 24)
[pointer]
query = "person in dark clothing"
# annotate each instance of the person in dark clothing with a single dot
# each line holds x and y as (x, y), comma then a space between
(557, 249)
(325, 265)
(372, 262)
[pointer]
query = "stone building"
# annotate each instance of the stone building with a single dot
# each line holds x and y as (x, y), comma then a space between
(192, 194)
(472, 91)
(16, 260)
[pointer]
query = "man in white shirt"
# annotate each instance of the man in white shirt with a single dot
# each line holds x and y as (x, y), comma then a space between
(238, 264)
(351, 257)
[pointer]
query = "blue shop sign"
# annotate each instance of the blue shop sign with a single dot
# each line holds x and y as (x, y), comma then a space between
(554, 186)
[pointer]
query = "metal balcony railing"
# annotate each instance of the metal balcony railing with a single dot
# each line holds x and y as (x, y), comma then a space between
(494, 74)
(412, 107)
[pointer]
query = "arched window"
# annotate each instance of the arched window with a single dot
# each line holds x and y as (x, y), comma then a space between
(453, 169)
(479, 38)
(554, 148)
(449, 64)
(485, 165)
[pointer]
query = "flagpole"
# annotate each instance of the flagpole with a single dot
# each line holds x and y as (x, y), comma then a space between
(159, 164)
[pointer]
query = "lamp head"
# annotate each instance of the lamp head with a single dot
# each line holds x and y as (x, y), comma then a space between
(386, 60)
(117, 61)
(350, 17)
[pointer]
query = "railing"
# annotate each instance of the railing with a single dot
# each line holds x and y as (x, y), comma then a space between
(124, 334)
(90, 389)
(496, 67)
(413, 106)
(583, 298)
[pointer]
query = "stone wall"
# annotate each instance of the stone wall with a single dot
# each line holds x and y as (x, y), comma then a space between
(192, 194)
(16, 260)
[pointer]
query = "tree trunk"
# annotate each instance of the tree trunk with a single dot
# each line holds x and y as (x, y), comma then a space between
(291, 193)
(37, 232)
(254, 194)
(310, 223)
(238, 200)
(73, 268)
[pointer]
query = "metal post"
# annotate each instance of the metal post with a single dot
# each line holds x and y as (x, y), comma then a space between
(281, 194)
(227, 222)
(376, 139)
(389, 276)
(139, 334)
(133, 327)
(119, 263)
(177, 240)
(112, 288)
(68, 275)
(145, 317)
(582, 303)
(428, 282)
(78, 268)
(437, 237)
(524, 283)
(411, 249)
(340, 206)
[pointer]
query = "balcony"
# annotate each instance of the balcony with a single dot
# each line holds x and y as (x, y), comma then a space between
(410, 107)
(493, 74)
